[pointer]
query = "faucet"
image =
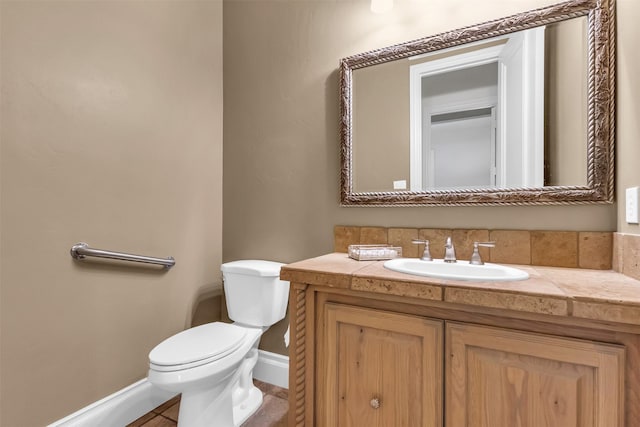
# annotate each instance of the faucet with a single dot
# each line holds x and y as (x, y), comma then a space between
(449, 251)
(475, 257)
(426, 255)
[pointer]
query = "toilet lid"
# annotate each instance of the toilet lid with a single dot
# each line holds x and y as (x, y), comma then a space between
(203, 343)
(253, 267)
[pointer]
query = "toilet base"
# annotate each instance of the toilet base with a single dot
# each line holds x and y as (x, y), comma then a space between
(206, 408)
(221, 406)
(246, 408)
(220, 393)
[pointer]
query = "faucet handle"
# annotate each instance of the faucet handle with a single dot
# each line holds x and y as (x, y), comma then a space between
(426, 255)
(449, 251)
(475, 257)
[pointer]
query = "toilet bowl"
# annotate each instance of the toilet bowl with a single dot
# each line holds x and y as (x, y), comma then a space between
(212, 364)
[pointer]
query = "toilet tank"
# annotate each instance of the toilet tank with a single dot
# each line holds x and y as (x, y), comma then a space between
(254, 293)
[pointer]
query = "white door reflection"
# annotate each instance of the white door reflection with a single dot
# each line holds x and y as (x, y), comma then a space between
(462, 150)
(502, 80)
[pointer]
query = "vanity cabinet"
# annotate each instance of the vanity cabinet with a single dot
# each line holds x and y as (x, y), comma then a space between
(501, 377)
(379, 363)
(379, 369)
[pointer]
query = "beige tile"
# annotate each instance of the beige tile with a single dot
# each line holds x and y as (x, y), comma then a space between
(518, 302)
(395, 287)
(595, 250)
(344, 236)
(403, 237)
(512, 246)
(373, 235)
(631, 255)
(272, 413)
(143, 420)
(437, 238)
(279, 392)
(333, 270)
(463, 242)
(166, 405)
(554, 248)
(271, 389)
(332, 280)
(535, 286)
(262, 386)
(160, 421)
(600, 286)
(172, 412)
(616, 253)
(607, 312)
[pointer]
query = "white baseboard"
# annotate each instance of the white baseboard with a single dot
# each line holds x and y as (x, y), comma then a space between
(118, 409)
(272, 368)
(132, 402)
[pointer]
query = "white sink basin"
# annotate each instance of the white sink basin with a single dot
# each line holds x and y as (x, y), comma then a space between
(460, 270)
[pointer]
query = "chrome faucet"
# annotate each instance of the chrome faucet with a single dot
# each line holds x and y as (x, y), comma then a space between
(426, 255)
(449, 251)
(475, 257)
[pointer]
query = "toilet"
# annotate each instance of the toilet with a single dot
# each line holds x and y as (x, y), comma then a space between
(212, 365)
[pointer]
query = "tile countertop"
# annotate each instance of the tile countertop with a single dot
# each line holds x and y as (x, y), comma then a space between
(590, 294)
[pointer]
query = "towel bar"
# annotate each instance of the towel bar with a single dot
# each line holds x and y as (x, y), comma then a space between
(82, 250)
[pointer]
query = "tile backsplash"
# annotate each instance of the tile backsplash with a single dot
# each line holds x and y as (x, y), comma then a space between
(577, 249)
(626, 254)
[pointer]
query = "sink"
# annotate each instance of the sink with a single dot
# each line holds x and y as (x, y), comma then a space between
(460, 270)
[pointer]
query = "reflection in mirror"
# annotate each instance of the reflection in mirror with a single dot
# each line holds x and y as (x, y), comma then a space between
(475, 116)
(495, 120)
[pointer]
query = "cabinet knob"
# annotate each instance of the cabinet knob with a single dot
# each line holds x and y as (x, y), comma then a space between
(375, 403)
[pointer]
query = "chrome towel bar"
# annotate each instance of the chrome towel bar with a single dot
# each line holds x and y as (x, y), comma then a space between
(82, 250)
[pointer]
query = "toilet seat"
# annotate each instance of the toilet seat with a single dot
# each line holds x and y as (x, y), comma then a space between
(197, 346)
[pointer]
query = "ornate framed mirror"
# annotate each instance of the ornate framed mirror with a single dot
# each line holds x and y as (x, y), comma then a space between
(515, 111)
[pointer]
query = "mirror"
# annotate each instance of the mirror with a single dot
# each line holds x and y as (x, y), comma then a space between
(513, 111)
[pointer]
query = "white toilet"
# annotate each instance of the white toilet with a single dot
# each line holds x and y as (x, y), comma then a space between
(212, 365)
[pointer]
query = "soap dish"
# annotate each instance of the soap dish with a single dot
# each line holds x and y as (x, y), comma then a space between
(374, 252)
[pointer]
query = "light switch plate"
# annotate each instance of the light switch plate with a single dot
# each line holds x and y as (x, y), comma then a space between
(400, 185)
(631, 205)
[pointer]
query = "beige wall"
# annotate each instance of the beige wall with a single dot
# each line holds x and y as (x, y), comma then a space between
(566, 85)
(628, 106)
(381, 138)
(111, 134)
(281, 165)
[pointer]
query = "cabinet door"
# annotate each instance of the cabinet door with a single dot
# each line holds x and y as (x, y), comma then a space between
(379, 368)
(497, 377)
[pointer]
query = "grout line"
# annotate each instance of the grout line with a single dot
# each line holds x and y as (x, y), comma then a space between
(168, 419)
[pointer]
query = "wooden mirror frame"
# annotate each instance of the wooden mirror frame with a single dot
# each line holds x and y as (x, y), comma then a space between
(600, 114)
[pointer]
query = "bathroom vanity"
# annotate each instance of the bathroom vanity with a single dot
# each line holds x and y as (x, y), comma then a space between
(375, 347)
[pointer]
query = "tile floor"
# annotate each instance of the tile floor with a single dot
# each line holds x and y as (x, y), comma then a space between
(272, 413)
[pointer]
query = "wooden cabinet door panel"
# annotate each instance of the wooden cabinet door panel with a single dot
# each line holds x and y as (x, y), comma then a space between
(497, 377)
(382, 369)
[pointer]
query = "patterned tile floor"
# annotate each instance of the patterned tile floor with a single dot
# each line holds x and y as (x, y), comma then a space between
(272, 413)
